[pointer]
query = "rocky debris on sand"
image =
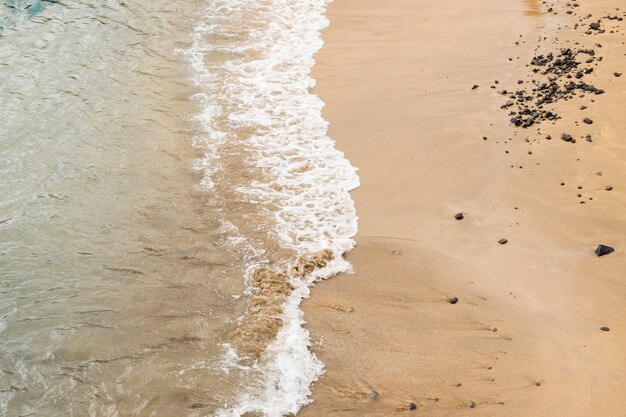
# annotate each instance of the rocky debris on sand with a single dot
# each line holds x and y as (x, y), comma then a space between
(604, 329)
(588, 121)
(567, 137)
(602, 250)
(608, 188)
(459, 216)
(503, 241)
(453, 300)
(563, 72)
(412, 406)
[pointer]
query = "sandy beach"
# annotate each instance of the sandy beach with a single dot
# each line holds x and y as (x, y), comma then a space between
(440, 318)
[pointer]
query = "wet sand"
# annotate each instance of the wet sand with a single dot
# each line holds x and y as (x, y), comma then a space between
(524, 338)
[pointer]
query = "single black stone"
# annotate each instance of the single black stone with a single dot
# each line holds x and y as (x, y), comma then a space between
(474, 87)
(471, 404)
(617, 74)
(595, 26)
(566, 137)
(588, 120)
(459, 216)
(608, 188)
(604, 329)
(548, 137)
(602, 250)
(502, 241)
(412, 406)
(453, 300)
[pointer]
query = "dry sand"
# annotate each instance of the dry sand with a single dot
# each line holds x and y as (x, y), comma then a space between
(524, 338)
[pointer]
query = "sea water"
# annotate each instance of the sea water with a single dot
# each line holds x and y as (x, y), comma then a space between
(167, 194)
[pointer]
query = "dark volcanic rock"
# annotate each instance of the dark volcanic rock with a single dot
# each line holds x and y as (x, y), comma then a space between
(459, 216)
(412, 406)
(604, 329)
(588, 120)
(566, 137)
(453, 300)
(602, 250)
(502, 241)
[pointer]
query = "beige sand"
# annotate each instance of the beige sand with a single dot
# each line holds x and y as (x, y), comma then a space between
(524, 338)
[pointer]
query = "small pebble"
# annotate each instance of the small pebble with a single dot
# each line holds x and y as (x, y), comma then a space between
(588, 120)
(502, 241)
(602, 250)
(412, 406)
(453, 300)
(459, 216)
(471, 404)
(608, 188)
(604, 329)
(373, 395)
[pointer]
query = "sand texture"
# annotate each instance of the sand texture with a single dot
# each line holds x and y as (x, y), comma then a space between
(524, 338)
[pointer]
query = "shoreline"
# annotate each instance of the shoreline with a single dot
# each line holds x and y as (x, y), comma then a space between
(524, 337)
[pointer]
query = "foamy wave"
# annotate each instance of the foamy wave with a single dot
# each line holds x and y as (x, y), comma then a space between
(279, 175)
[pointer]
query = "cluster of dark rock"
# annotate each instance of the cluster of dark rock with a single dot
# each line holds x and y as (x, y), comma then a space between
(564, 71)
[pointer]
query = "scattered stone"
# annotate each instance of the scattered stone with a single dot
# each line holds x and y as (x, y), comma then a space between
(474, 87)
(588, 121)
(412, 406)
(453, 300)
(549, 137)
(583, 107)
(373, 395)
(459, 216)
(595, 26)
(617, 74)
(503, 241)
(471, 404)
(608, 188)
(588, 138)
(604, 329)
(566, 137)
(602, 250)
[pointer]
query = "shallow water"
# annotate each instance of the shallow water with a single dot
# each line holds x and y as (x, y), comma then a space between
(155, 155)
(113, 295)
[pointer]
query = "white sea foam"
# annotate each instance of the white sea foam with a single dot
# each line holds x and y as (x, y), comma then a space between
(260, 81)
